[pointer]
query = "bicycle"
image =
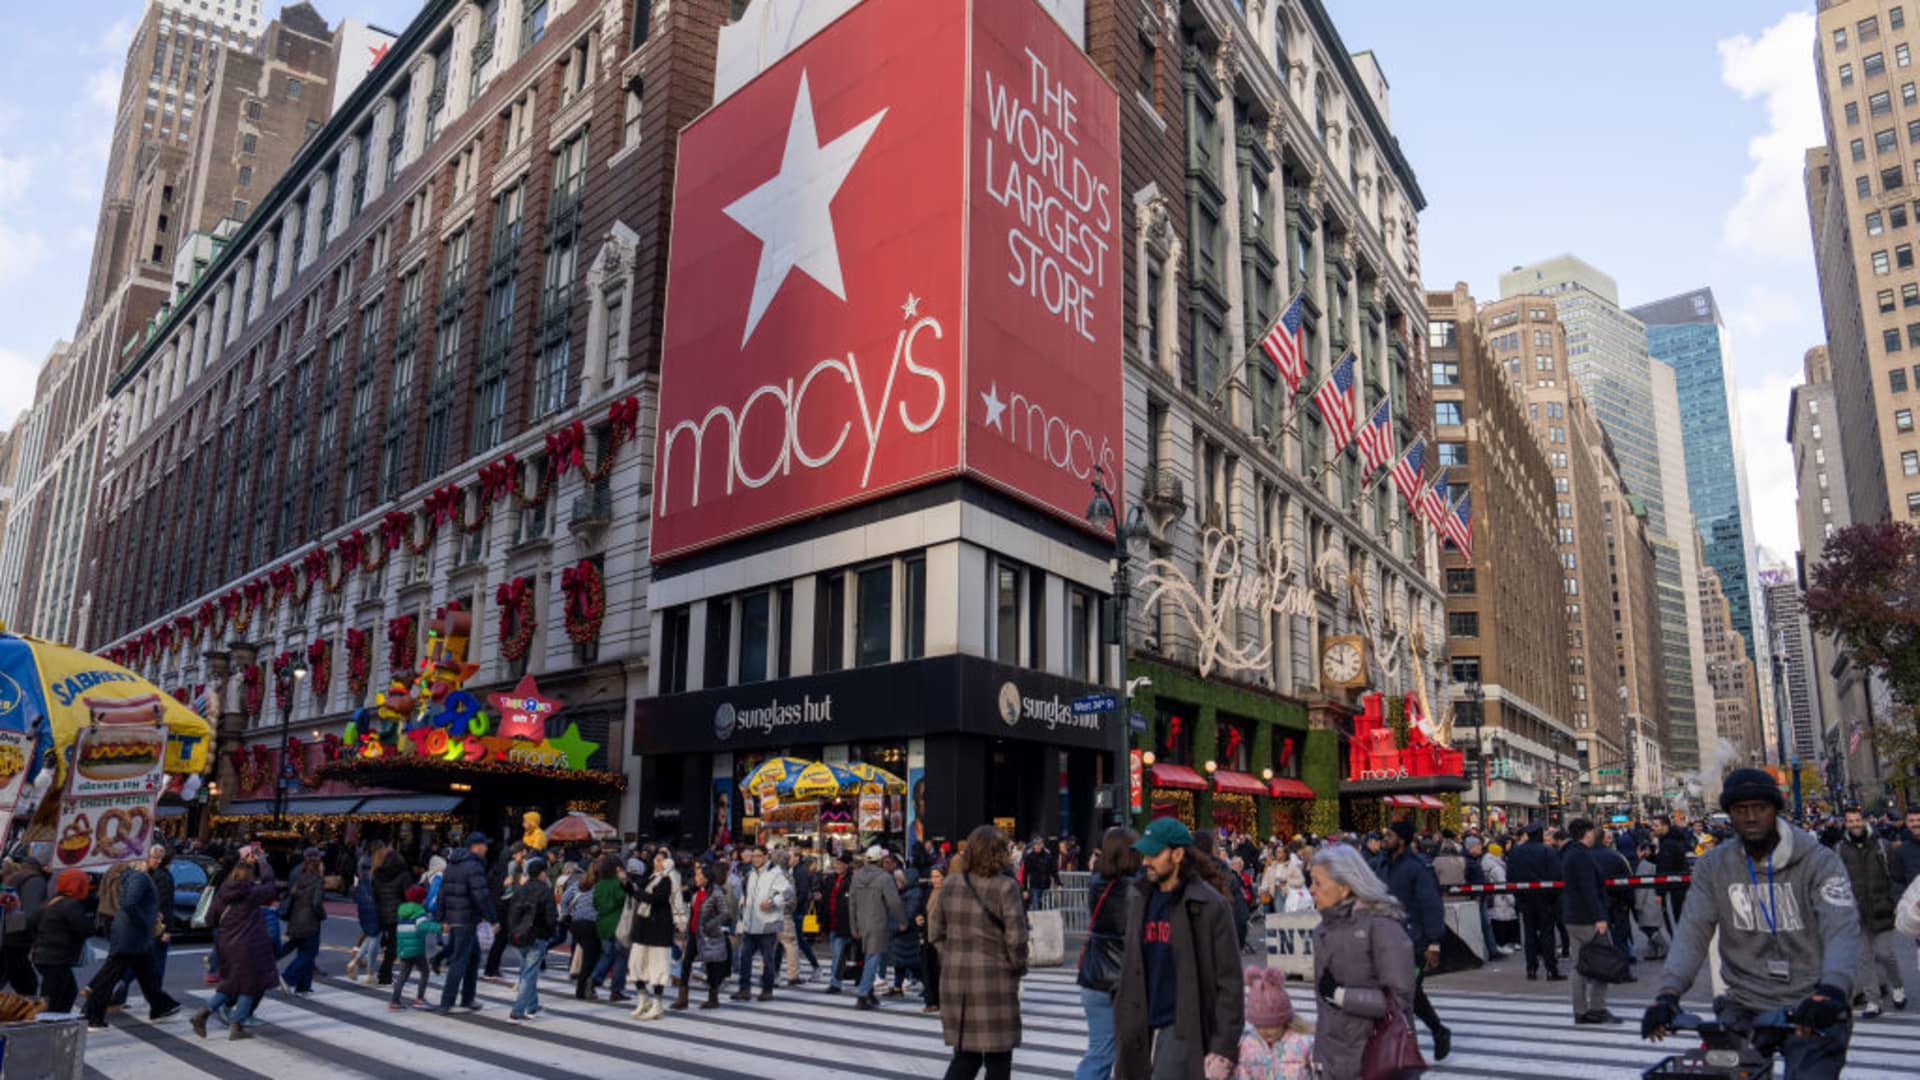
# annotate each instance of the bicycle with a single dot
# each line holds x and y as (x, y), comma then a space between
(1725, 1052)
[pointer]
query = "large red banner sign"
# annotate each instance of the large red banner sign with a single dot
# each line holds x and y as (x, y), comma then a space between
(895, 258)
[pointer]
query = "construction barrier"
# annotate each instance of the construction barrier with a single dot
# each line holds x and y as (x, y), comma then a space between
(1532, 886)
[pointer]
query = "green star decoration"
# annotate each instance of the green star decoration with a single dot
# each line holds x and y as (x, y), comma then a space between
(574, 750)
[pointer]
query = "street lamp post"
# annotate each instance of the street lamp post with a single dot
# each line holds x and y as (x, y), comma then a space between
(1100, 514)
(286, 733)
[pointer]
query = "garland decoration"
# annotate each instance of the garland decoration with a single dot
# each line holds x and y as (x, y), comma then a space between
(518, 617)
(245, 768)
(586, 601)
(359, 662)
(380, 772)
(283, 681)
(400, 644)
(253, 691)
(543, 474)
(320, 667)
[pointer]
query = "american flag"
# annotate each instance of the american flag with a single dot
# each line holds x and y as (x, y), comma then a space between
(1335, 400)
(1286, 345)
(1406, 471)
(1433, 501)
(1459, 525)
(1376, 439)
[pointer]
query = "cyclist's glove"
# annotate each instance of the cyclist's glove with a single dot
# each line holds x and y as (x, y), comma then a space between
(1825, 1007)
(1660, 1015)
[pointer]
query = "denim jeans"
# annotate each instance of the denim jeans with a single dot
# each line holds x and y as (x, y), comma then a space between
(242, 1007)
(299, 973)
(767, 948)
(613, 962)
(463, 966)
(840, 944)
(1098, 1062)
(527, 1001)
(869, 971)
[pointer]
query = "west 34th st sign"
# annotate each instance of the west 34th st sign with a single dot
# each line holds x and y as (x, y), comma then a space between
(894, 259)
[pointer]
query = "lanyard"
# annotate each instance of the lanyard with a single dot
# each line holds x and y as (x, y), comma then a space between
(1770, 907)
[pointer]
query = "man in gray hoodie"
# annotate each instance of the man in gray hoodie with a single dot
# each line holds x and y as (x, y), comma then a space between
(1789, 934)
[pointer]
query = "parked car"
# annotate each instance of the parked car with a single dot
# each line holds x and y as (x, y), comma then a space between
(192, 875)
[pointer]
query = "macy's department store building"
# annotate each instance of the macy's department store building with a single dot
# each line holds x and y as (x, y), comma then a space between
(890, 366)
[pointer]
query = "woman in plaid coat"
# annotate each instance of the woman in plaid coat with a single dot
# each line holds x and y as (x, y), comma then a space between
(980, 929)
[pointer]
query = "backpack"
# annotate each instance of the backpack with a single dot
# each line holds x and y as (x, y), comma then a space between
(521, 917)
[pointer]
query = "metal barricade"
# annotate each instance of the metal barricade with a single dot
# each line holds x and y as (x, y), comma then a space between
(1069, 897)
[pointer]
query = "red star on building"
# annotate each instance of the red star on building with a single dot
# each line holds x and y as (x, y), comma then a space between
(523, 713)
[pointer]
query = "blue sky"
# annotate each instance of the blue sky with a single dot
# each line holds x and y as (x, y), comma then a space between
(1660, 141)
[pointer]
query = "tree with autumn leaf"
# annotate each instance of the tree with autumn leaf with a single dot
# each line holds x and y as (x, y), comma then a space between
(1865, 592)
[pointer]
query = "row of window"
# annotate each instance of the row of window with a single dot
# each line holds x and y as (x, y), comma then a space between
(1875, 64)
(1868, 28)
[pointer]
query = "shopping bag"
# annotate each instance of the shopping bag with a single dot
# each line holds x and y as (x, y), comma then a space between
(1299, 901)
(484, 936)
(810, 924)
(852, 959)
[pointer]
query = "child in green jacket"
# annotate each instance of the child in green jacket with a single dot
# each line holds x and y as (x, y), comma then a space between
(410, 946)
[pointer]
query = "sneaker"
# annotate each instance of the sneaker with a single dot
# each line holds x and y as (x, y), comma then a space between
(96, 1025)
(516, 1018)
(931, 1010)
(396, 1006)
(473, 1006)
(1871, 1012)
(1899, 999)
(832, 990)
(421, 1003)
(866, 1004)
(163, 1012)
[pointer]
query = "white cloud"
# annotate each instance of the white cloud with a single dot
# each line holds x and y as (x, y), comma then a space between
(1770, 480)
(116, 37)
(18, 375)
(16, 173)
(1777, 67)
(1761, 309)
(21, 251)
(103, 89)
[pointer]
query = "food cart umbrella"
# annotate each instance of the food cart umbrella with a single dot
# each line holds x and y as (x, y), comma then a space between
(579, 828)
(67, 688)
(888, 783)
(820, 780)
(770, 774)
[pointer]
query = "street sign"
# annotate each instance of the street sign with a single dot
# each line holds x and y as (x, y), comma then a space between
(1137, 722)
(1093, 703)
(1609, 770)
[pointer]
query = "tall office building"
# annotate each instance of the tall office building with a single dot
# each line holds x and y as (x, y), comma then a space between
(1507, 627)
(1861, 197)
(1801, 722)
(1639, 410)
(1686, 333)
(1529, 345)
(1737, 715)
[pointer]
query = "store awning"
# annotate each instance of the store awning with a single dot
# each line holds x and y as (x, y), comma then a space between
(1432, 803)
(1288, 788)
(1412, 801)
(1168, 775)
(1238, 782)
(294, 808)
(410, 804)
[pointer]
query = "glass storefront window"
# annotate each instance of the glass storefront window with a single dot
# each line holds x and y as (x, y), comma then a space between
(829, 623)
(916, 608)
(1006, 613)
(873, 632)
(756, 610)
(1079, 643)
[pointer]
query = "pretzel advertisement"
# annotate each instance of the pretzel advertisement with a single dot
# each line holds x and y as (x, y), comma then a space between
(107, 811)
(16, 750)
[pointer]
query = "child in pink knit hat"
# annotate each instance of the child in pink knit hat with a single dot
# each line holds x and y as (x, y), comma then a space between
(1278, 1043)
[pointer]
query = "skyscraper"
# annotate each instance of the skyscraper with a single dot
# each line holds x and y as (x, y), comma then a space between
(1685, 332)
(1788, 620)
(1607, 355)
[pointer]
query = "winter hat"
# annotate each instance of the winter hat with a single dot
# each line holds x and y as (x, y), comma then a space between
(436, 865)
(1403, 829)
(635, 866)
(1496, 849)
(536, 866)
(72, 884)
(1748, 785)
(416, 894)
(478, 838)
(1268, 1005)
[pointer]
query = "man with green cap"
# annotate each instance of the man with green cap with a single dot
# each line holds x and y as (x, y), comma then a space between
(1178, 1007)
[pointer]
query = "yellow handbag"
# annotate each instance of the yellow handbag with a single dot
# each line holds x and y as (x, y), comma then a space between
(810, 923)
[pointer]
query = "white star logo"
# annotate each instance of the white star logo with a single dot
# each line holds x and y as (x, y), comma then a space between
(792, 214)
(995, 407)
(911, 308)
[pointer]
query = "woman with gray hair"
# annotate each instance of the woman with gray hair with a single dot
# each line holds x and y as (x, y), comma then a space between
(1362, 959)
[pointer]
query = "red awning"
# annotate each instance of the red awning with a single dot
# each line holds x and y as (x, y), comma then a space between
(1238, 782)
(1168, 775)
(1432, 803)
(1403, 800)
(1286, 788)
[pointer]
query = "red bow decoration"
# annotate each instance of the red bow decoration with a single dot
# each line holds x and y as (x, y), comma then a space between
(205, 615)
(1173, 731)
(183, 629)
(353, 549)
(400, 643)
(253, 690)
(623, 418)
(359, 661)
(314, 565)
(1233, 742)
(320, 666)
(1286, 751)
(444, 504)
(396, 526)
(181, 694)
(254, 592)
(329, 747)
(164, 637)
(497, 480)
(565, 446)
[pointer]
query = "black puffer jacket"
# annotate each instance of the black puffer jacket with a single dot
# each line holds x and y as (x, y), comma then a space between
(464, 897)
(1867, 863)
(60, 929)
